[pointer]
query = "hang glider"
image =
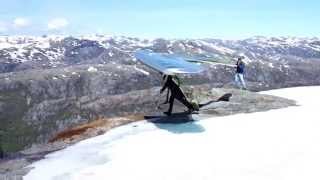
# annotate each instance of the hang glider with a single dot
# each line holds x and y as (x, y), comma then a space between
(170, 64)
(167, 64)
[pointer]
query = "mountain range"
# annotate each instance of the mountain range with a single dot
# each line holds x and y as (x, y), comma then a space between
(19, 53)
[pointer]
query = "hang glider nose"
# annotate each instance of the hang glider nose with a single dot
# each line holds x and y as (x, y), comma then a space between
(167, 64)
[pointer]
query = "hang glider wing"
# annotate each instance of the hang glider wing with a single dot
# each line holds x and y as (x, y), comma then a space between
(205, 61)
(167, 64)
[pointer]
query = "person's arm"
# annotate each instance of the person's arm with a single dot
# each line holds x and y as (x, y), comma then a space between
(163, 88)
(167, 96)
(167, 100)
(164, 85)
(236, 66)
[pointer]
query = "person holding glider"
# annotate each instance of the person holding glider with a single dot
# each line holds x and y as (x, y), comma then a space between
(169, 67)
(175, 93)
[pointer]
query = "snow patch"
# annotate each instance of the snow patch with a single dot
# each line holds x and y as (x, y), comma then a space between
(277, 144)
(141, 70)
(271, 65)
(92, 69)
(221, 49)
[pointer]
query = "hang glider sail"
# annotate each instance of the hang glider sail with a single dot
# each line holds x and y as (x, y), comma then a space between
(167, 64)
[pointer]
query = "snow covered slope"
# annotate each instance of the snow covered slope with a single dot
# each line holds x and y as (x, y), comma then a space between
(278, 144)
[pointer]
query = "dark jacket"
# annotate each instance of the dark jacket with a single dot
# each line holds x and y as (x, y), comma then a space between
(240, 67)
(173, 86)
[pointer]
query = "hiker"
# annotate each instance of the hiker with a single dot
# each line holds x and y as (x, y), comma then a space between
(240, 69)
(176, 93)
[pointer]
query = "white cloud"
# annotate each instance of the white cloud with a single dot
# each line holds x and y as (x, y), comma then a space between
(57, 23)
(21, 22)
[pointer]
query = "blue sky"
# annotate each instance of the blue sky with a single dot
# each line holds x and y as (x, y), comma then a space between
(231, 19)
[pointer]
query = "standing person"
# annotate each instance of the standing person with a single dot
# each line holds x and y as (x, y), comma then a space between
(176, 93)
(240, 69)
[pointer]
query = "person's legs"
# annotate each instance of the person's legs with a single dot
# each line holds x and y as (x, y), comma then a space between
(167, 97)
(236, 79)
(185, 102)
(171, 101)
(242, 81)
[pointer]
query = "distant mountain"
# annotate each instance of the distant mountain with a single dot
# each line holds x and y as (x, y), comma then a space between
(20, 52)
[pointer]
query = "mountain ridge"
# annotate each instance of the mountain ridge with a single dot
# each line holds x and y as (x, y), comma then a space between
(28, 52)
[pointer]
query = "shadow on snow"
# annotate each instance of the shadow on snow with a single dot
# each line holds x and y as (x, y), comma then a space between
(177, 123)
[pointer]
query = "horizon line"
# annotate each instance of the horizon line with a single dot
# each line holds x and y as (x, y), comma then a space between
(154, 38)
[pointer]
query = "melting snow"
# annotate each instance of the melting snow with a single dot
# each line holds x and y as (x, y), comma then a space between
(277, 144)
